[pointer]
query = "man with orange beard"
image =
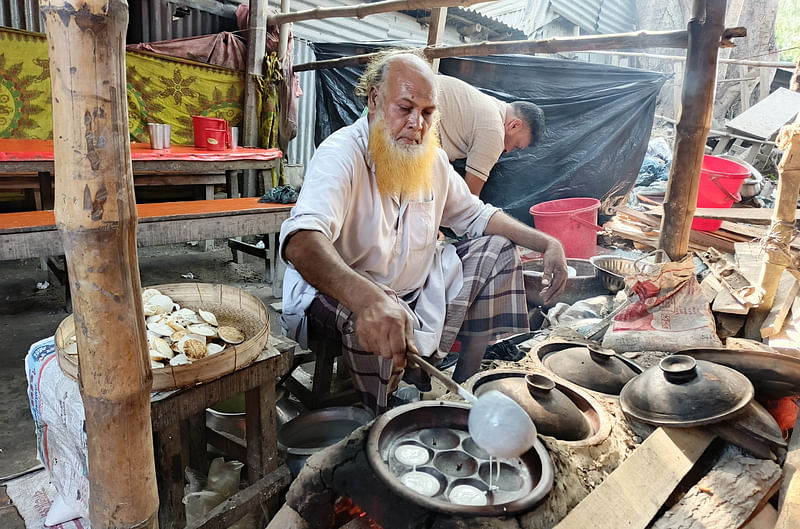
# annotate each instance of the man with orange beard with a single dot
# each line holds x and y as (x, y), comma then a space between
(362, 246)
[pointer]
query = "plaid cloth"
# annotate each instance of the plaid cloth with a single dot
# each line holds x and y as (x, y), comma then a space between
(491, 303)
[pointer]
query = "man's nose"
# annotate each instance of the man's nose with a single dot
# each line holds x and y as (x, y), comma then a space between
(415, 120)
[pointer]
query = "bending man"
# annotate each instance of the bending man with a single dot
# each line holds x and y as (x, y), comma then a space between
(365, 265)
(480, 128)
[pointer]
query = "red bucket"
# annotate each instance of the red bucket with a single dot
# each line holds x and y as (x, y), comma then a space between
(201, 124)
(573, 221)
(720, 180)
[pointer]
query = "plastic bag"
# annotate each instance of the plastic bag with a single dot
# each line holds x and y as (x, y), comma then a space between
(671, 312)
(224, 477)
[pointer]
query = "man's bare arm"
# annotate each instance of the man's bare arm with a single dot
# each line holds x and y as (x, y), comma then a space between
(554, 276)
(474, 183)
(382, 325)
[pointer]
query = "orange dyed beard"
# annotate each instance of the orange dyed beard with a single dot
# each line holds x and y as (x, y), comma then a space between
(403, 171)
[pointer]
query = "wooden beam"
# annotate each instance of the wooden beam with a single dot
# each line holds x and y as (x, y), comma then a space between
(751, 215)
(639, 39)
(436, 31)
(362, 10)
(777, 244)
(705, 31)
(256, 48)
(95, 212)
(631, 495)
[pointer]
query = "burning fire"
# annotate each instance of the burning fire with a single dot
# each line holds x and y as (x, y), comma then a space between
(345, 511)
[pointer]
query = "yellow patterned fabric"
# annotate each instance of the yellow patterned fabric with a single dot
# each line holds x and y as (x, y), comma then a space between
(160, 89)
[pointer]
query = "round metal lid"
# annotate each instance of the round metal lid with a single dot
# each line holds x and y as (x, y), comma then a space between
(552, 411)
(591, 367)
(682, 391)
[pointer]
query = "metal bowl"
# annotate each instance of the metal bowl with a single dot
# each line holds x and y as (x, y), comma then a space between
(311, 432)
(612, 270)
(454, 459)
(581, 284)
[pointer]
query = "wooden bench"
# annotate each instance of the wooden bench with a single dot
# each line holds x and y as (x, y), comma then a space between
(34, 233)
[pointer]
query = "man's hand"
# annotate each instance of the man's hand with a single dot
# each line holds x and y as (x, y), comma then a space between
(385, 328)
(554, 276)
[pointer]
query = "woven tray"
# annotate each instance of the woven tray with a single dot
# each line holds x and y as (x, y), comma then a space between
(232, 306)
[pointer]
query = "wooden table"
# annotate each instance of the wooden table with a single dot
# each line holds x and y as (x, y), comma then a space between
(29, 164)
(180, 438)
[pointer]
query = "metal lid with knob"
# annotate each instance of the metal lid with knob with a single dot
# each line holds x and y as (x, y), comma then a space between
(683, 392)
(591, 367)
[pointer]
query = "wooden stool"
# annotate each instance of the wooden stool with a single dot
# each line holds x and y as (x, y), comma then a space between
(324, 351)
(180, 438)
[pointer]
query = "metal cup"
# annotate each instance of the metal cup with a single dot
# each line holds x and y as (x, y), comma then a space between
(234, 137)
(159, 135)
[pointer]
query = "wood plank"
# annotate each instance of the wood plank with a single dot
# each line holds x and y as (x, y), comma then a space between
(784, 297)
(763, 519)
(727, 496)
(631, 495)
(788, 340)
(252, 500)
(789, 499)
(752, 215)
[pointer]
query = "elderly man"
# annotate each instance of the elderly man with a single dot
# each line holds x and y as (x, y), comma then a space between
(479, 128)
(365, 264)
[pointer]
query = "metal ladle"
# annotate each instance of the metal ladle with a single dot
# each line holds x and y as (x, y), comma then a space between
(497, 423)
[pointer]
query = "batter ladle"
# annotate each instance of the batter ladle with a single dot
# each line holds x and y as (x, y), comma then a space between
(497, 423)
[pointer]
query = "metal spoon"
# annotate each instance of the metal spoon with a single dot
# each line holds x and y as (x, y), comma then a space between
(497, 423)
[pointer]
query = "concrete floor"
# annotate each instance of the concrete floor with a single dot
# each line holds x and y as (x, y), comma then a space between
(28, 314)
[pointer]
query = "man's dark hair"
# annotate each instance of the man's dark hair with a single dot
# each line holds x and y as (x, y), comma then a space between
(533, 116)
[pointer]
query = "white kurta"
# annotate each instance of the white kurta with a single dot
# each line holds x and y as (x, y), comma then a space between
(392, 243)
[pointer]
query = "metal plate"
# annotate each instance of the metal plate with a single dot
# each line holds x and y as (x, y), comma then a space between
(453, 460)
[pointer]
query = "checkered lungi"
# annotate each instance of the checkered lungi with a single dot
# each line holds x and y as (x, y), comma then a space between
(491, 303)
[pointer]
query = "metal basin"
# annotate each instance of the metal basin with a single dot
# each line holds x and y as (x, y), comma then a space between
(450, 467)
(311, 432)
(584, 284)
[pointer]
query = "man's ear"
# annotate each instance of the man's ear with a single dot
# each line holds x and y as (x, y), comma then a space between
(372, 99)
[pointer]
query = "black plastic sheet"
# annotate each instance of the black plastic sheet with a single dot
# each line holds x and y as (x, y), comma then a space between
(598, 122)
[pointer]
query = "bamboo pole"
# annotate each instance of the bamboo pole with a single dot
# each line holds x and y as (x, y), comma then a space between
(776, 245)
(362, 10)
(639, 39)
(256, 47)
(705, 30)
(436, 31)
(682, 58)
(95, 212)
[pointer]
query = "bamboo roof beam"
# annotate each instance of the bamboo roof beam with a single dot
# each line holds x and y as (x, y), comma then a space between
(634, 40)
(362, 10)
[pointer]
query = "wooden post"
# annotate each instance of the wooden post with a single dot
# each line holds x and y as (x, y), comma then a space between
(705, 30)
(283, 42)
(776, 244)
(256, 48)
(95, 212)
(436, 31)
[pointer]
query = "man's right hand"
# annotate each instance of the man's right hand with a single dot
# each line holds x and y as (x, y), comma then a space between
(385, 328)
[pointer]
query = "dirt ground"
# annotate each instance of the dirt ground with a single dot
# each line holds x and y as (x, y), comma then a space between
(28, 314)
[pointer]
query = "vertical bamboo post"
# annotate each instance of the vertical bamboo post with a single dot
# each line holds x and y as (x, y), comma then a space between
(705, 31)
(776, 255)
(436, 31)
(256, 47)
(95, 213)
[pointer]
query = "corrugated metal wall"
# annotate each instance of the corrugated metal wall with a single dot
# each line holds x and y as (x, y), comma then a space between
(598, 16)
(302, 147)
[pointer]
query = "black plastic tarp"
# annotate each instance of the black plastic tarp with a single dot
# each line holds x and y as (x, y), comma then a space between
(598, 122)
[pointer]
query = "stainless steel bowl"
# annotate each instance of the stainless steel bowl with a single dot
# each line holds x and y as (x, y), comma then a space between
(612, 270)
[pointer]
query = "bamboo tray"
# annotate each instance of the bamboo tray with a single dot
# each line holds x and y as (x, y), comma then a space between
(232, 306)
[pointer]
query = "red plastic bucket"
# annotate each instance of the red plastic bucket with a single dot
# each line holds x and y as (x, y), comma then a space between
(573, 221)
(720, 180)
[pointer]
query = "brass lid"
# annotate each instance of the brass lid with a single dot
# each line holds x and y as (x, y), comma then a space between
(552, 411)
(682, 391)
(592, 367)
